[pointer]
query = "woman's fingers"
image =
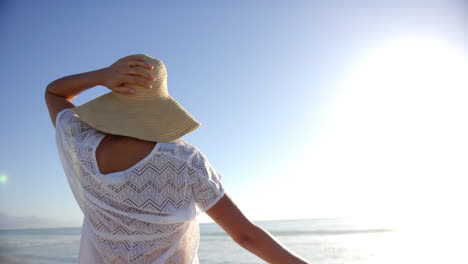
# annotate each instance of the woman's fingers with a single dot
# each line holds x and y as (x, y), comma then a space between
(141, 72)
(131, 69)
(133, 63)
(138, 80)
(125, 90)
(136, 61)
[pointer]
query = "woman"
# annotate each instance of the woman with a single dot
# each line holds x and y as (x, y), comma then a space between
(139, 185)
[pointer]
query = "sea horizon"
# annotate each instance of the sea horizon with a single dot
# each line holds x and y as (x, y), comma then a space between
(319, 240)
(200, 222)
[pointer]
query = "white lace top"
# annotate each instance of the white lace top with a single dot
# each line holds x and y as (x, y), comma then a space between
(145, 214)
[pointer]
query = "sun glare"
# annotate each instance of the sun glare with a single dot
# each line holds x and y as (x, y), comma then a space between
(393, 142)
(394, 139)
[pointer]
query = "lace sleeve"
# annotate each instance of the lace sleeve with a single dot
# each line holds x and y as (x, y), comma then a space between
(66, 145)
(71, 127)
(207, 187)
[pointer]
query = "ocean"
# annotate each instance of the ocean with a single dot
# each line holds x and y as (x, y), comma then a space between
(319, 241)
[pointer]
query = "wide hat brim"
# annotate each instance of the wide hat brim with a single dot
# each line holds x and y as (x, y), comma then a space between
(158, 120)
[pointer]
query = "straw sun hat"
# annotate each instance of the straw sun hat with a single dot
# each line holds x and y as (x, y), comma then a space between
(148, 114)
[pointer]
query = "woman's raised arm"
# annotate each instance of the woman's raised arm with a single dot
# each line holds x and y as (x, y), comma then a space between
(60, 93)
(248, 235)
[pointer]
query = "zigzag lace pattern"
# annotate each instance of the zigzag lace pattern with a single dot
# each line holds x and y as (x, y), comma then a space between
(144, 215)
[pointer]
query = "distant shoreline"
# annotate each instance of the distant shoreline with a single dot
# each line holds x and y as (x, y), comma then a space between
(12, 260)
(202, 223)
(39, 228)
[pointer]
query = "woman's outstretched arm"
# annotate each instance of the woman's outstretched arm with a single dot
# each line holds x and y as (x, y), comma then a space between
(60, 93)
(251, 237)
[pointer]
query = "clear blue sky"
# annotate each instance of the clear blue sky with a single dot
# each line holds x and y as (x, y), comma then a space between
(261, 77)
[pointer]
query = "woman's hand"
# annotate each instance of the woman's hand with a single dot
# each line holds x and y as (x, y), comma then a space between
(131, 69)
(126, 70)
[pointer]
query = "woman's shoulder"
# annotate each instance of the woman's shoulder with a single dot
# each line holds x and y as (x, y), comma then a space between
(68, 117)
(179, 148)
(64, 115)
(69, 121)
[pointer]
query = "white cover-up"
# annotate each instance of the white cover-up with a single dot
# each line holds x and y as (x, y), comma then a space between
(145, 214)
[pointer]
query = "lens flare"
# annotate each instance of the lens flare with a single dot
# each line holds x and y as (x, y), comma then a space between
(3, 178)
